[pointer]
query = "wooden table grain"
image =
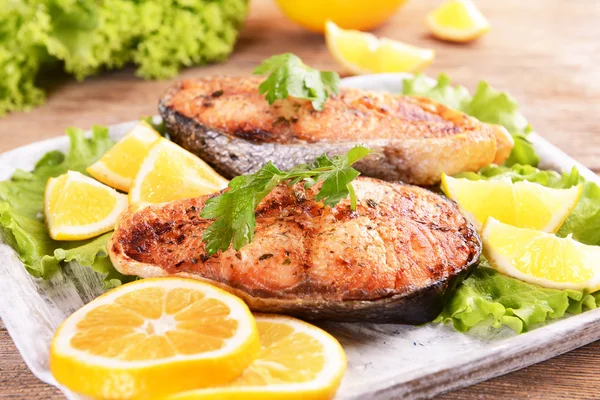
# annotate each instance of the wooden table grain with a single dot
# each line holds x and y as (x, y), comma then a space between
(545, 52)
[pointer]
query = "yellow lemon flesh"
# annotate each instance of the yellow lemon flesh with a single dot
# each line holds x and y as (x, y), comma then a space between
(296, 361)
(363, 53)
(169, 173)
(541, 258)
(154, 337)
(349, 14)
(77, 207)
(119, 166)
(521, 204)
(457, 21)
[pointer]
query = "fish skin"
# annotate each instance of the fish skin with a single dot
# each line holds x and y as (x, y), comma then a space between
(394, 259)
(230, 125)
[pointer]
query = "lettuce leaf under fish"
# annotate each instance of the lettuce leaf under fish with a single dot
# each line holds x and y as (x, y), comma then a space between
(487, 295)
(486, 104)
(22, 205)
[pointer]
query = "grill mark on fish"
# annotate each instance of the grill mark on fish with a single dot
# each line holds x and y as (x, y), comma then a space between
(416, 139)
(394, 262)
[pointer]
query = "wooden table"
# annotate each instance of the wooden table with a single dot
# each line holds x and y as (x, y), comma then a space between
(546, 53)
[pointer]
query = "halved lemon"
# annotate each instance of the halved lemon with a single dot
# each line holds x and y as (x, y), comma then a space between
(119, 166)
(457, 21)
(521, 204)
(154, 337)
(77, 207)
(170, 172)
(364, 53)
(296, 361)
(353, 14)
(541, 258)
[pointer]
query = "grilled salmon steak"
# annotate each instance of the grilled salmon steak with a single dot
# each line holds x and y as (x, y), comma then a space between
(394, 259)
(229, 124)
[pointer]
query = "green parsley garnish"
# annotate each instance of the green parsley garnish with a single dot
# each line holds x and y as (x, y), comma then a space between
(233, 210)
(290, 77)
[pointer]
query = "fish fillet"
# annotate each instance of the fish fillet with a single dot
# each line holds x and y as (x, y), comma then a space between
(394, 259)
(230, 125)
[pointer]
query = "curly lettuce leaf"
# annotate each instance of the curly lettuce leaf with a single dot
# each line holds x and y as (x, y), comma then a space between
(21, 31)
(488, 295)
(176, 34)
(86, 36)
(21, 211)
(486, 104)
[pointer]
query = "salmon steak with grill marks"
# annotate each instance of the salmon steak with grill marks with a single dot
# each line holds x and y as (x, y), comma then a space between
(394, 259)
(229, 124)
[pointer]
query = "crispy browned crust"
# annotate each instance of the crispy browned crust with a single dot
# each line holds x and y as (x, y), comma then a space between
(393, 259)
(417, 138)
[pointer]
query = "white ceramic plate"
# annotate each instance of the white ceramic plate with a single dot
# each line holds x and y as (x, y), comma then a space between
(384, 361)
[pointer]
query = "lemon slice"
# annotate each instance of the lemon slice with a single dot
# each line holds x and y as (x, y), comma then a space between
(154, 337)
(363, 53)
(296, 361)
(541, 258)
(457, 21)
(522, 204)
(119, 166)
(169, 173)
(77, 207)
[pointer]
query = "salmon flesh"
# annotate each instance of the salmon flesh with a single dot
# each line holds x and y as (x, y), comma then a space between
(394, 259)
(226, 122)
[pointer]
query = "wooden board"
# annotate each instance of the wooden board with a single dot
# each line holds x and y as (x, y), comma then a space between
(545, 53)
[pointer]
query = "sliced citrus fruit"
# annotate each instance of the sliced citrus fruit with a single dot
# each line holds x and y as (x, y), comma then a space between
(364, 53)
(296, 361)
(78, 207)
(169, 173)
(541, 258)
(457, 21)
(119, 166)
(154, 337)
(522, 204)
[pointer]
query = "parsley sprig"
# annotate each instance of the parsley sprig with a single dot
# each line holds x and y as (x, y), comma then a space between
(290, 77)
(234, 209)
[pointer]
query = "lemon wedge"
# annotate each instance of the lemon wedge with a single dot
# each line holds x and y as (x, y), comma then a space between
(169, 173)
(154, 337)
(521, 204)
(296, 361)
(119, 166)
(541, 258)
(364, 53)
(77, 207)
(457, 21)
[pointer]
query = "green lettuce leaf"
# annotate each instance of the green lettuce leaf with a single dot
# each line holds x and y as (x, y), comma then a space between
(488, 295)
(21, 30)
(486, 104)
(21, 211)
(86, 36)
